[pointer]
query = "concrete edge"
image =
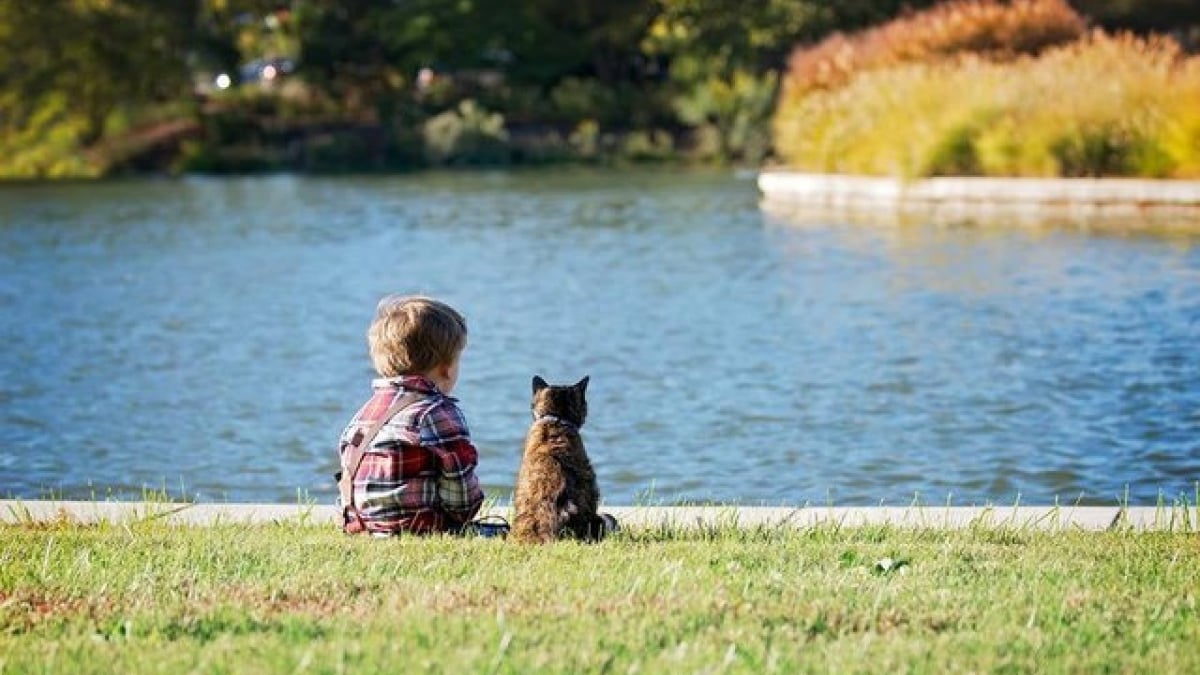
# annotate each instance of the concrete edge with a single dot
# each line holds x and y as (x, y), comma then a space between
(1127, 203)
(1085, 518)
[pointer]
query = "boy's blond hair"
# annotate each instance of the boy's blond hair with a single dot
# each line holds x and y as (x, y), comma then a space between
(412, 335)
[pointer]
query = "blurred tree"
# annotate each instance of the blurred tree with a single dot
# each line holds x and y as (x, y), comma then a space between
(100, 54)
(365, 52)
(1141, 15)
(230, 32)
(712, 65)
(546, 41)
(725, 57)
(758, 36)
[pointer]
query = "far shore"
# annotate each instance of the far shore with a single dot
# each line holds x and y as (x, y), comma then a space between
(1109, 204)
(1053, 518)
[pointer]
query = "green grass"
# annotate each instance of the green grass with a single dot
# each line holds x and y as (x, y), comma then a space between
(150, 597)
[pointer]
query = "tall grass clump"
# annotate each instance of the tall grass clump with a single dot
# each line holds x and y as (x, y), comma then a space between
(1102, 106)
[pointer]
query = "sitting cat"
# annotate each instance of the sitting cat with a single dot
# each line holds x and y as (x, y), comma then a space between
(556, 487)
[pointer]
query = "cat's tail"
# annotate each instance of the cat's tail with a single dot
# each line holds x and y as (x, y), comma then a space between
(594, 528)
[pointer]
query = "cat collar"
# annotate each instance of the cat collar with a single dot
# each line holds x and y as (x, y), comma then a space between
(555, 418)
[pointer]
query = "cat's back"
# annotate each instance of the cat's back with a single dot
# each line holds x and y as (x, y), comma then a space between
(554, 442)
(550, 438)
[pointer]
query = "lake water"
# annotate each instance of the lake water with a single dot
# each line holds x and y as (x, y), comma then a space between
(206, 337)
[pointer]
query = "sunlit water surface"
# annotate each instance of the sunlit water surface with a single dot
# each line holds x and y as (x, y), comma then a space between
(206, 337)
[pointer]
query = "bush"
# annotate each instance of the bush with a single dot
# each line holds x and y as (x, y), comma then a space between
(47, 142)
(586, 141)
(337, 151)
(546, 146)
(467, 134)
(577, 99)
(200, 157)
(1103, 106)
(737, 109)
(654, 145)
(998, 30)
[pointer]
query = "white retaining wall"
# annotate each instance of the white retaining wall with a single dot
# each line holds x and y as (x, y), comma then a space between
(1091, 518)
(1128, 204)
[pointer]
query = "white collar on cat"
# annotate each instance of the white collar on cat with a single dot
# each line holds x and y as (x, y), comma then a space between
(555, 418)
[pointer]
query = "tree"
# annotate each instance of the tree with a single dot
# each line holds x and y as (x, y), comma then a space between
(1141, 15)
(365, 52)
(104, 53)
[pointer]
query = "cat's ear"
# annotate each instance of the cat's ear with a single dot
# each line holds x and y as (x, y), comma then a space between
(538, 383)
(582, 384)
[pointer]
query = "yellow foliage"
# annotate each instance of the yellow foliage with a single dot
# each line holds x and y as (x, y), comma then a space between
(1105, 105)
(47, 144)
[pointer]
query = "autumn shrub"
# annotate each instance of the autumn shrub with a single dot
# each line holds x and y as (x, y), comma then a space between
(1103, 106)
(999, 30)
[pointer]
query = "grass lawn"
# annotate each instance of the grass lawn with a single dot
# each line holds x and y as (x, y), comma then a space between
(149, 597)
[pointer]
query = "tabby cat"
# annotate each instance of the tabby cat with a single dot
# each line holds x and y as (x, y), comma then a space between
(556, 486)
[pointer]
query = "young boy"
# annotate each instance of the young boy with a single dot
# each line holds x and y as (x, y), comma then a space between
(418, 473)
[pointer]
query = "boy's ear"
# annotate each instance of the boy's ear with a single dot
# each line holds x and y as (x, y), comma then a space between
(538, 383)
(582, 384)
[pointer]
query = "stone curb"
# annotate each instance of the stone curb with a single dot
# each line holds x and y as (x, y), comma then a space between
(1096, 203)
(1089, 518)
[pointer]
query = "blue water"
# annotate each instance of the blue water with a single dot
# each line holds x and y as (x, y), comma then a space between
(206, 337)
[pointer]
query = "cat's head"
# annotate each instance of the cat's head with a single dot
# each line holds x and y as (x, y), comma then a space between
(568, 402)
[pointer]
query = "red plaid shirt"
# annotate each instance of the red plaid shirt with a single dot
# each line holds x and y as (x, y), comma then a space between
(419, 474)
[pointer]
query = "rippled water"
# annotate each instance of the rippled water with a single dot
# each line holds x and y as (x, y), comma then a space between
(206, 337)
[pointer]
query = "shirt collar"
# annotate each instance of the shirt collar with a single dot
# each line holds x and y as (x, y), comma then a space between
(418, 383)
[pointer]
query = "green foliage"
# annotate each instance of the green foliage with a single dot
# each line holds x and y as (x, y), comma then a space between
(954, 154)
(47, 144)
(724, 57)
(108, 54)
(1141, 15)
(755, 36)
(60, 96)
(737, 109)
(543, 42)
(704, 70)
(1095, 152)
(199, 157)
(648, 146)
(364, 52)
(467, 134)
(1180, 134)
(336, 151)
(547, 147)
(585, 140)
(577, 99)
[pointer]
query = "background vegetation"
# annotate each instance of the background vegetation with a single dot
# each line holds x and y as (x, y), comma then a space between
(96, 87)
(1020, 89)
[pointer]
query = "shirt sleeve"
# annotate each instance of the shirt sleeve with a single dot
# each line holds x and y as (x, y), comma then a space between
(444, 432)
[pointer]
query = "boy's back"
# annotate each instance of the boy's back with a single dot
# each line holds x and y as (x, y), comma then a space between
(418, 475)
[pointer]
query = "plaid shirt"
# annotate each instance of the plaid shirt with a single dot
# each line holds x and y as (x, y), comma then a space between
(419, 474)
